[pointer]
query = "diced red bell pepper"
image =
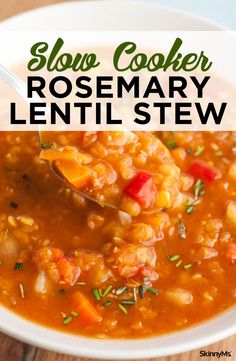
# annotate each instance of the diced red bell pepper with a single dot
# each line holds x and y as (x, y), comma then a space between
(202, 170)
(231, 252)
(142, 188)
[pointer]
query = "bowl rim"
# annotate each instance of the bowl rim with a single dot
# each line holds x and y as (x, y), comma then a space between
(115, 349)
(47, 338)
(146, 3)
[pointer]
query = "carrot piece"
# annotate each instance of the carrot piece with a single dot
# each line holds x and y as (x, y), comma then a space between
(51, 154)
(231, 252)
(73, 172)
(86, 310)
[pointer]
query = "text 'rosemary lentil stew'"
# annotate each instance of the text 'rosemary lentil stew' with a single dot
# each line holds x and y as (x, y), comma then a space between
(162, 260)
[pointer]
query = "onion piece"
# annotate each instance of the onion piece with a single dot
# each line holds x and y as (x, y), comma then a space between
(179, 296)
(41, 283)
(125, 218)
(9, 247)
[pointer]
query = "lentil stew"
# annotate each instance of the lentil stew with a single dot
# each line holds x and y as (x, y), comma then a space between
(142, 269)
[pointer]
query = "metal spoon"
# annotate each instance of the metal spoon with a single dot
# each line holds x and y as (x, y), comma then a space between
(21, 89)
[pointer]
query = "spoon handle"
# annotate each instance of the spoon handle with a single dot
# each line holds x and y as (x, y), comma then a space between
(14, 82)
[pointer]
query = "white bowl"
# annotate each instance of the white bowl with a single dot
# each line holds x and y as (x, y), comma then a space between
(113, 15)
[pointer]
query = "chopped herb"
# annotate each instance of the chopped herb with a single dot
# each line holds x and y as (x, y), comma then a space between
(67, 320)
(190, 209)
(80, 283)
(22, 291)
(128, 302)
(96, 294)
(199, 188)
(107, 291)
(13, 205)
(189, 150)
(152, 290)
(218, 153)
(171, 143)
(74, 313)
(18, 266)
(173, 258)
(187, 266)
(123, 309)
(178, 263)
(46, 145)
(100, 292)
(181, 229)
(121, 290)
(107, 303)
(142, 290)
(199, 150)
(191, 205)
(61, 291)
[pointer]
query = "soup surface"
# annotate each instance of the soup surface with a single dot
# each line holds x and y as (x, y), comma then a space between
(163, 263)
